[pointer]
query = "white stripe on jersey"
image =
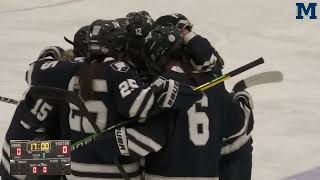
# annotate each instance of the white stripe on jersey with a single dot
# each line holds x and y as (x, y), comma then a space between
(25, 125)
(147, 107)
(236, 145)
(6, 147)
(137, 149)
(24, 95)
(137, 102)
(157, 177)
(72, 177)
(29, 74)
(104, 168)
(144, 139)
(40, 130)
(247, 113)
(5, 163)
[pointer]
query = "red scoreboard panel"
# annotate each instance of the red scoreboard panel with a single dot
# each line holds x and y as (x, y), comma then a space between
(49, 157)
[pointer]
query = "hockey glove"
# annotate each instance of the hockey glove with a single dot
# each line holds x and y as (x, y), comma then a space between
(244, 98)
(172, 94)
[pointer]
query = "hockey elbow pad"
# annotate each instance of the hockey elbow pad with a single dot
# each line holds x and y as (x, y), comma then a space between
(244, 98)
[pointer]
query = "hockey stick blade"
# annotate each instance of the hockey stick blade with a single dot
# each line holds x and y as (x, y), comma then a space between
(258, 79)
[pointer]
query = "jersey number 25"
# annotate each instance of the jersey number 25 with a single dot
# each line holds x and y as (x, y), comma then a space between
(79, 123)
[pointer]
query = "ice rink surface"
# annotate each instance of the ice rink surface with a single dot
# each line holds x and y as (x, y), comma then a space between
(287, 126)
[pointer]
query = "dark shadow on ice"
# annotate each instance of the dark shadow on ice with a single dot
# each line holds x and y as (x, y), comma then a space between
(313, 174)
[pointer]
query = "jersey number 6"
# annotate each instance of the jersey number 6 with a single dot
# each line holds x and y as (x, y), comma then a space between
(199, 122)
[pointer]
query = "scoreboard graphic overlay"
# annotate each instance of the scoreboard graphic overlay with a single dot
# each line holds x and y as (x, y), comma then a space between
(49, 157)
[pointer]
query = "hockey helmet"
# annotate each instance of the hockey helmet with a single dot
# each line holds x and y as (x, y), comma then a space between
(139, 23)
(162, 41)
(80, 47)
(177, 19)
(106, 37)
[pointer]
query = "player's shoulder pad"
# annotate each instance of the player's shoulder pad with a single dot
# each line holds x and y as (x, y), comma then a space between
(117, 65)
(42, 60)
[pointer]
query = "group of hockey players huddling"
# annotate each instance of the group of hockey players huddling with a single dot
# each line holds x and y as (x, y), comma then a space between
(135, 67)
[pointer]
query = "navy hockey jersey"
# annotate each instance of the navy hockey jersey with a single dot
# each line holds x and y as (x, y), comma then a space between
(116, 95)
(185, 145)
(38, 118)
(204, 56)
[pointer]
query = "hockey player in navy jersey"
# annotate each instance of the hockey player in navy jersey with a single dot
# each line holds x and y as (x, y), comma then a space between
(181, 144)
(40, 118)
(63, 75)
(203, 56)
(113, 92)
(236, 161)
(37, 118)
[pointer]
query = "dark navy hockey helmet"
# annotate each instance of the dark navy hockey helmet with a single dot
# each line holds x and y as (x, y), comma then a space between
(162, 40)
(177, 19)
(80, 47)
(106, 37)
(139, 23)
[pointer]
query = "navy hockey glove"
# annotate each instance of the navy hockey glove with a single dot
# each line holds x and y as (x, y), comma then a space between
(243, 97)
(172, 94)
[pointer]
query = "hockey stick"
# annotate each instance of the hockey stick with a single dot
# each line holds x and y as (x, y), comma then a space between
(258, 79)
(68, 41)
(67, 96)
(8, 100)
(61, 95)
(235, 72)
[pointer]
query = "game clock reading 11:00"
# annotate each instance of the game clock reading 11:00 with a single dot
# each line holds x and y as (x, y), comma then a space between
(39, 146)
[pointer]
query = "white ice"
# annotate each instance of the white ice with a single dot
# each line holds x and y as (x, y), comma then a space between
(287, 127)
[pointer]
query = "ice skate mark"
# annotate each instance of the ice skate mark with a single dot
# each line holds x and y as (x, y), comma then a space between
(39, 7)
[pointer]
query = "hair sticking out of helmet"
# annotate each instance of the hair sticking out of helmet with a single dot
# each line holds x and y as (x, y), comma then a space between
(162, 41)
(106, 38)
